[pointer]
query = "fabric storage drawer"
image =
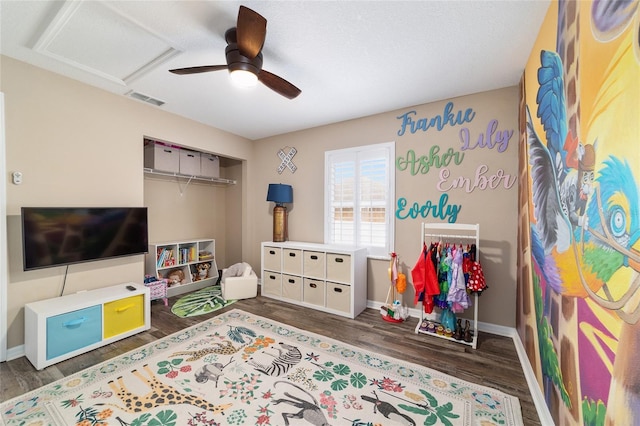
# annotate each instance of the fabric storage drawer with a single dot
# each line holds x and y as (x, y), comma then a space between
(314, 264)
(157, 289)
(292, 287)
(272, 257)
(272, 283)
(73, 330)
(339, 297)
(292, 261)
(209, 165)
(313, 292)
(339, 267)
(189, 162)
(123, 315)
(161, 157)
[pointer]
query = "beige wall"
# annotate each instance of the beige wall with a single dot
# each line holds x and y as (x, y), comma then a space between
(77, 145)
(494, 210)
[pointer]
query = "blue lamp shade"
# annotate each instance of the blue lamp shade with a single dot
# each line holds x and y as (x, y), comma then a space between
(280, 193)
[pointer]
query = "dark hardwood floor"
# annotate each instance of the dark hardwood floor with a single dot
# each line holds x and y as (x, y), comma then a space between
(494, 363)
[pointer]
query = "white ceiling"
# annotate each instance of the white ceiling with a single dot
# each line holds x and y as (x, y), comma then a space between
(350, 58)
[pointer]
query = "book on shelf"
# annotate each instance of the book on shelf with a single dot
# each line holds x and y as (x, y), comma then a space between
(165, 258)
(161, 254)
(205, 255)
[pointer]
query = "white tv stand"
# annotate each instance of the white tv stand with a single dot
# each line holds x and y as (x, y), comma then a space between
(61, 328)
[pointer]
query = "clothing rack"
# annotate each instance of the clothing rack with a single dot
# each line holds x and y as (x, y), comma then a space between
(453, 232)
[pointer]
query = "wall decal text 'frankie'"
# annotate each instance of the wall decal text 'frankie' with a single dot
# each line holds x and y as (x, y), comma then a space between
(438, 122)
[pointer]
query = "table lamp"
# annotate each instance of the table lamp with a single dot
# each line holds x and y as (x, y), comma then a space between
(280, 193)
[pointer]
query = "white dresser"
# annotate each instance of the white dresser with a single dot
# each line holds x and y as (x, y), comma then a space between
(319, 276)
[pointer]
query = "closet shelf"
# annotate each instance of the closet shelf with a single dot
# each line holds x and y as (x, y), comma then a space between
(211, 180)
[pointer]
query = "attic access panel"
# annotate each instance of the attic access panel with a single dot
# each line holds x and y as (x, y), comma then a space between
(89, 35)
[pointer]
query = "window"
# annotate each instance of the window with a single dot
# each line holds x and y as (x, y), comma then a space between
(359, 196)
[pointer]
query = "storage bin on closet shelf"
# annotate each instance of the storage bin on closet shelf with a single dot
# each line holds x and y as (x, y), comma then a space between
(452, 233)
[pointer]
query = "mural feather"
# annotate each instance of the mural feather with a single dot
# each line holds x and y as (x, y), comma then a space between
(553, 228)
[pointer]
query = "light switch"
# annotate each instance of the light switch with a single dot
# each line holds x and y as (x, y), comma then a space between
(17, 178)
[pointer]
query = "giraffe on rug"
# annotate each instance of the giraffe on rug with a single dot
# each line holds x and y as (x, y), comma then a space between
(219, 348)
(160, 395)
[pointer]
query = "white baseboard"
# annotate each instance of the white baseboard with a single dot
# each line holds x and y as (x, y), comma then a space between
(534, 387)
(15, 352)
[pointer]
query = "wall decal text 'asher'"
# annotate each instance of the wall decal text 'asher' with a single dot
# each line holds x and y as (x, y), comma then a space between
(424, 163)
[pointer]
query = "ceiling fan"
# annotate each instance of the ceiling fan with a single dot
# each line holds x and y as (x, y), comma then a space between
(244, 55)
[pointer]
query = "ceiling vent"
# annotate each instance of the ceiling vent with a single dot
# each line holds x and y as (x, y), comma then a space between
(145, 98)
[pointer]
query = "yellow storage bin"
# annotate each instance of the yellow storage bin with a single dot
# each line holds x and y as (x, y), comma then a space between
(123, 315)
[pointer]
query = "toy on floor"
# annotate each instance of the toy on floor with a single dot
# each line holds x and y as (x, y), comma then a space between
(394, 311)
(239, 281)
(242, 269)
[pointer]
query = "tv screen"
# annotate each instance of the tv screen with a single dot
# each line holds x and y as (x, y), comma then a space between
(54, 236)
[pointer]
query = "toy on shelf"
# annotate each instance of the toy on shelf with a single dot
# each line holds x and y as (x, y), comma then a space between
(176, 277)
(201, 271)
(392, 310)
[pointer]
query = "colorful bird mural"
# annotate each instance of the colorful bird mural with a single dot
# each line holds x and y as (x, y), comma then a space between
(585, 192)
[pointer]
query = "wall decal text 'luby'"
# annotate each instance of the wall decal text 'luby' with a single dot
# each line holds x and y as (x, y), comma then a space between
(493, 137)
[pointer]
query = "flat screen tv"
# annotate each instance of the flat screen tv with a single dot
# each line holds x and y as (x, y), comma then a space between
(55, 236)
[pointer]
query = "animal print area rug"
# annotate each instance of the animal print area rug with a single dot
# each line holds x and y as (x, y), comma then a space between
(203, 301)
(241, 369)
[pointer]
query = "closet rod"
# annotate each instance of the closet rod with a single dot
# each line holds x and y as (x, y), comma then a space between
(469, 237)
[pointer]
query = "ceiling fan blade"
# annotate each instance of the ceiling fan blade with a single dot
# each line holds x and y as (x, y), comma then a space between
(278, 84)
(251, 31)
(196, 70)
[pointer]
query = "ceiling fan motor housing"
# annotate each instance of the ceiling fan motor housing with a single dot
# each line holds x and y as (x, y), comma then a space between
(237, 61)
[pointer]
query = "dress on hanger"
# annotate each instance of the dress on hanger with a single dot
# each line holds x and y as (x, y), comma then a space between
(444, 269)
(476, 282)
(458, 296)
(425, 280)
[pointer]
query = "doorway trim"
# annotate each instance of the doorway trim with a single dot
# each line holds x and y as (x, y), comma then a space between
(4, 273)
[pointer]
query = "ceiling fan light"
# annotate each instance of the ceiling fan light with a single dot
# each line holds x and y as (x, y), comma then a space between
(244, 78)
